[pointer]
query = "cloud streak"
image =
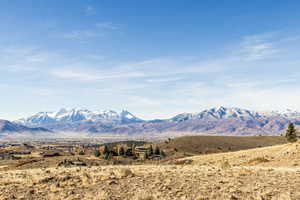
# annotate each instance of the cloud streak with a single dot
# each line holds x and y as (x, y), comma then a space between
(97, 30)
(95, 75)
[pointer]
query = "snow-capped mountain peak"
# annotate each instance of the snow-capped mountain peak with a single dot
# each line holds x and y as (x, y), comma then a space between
(221, 120)
(217, 113)
(76, 115)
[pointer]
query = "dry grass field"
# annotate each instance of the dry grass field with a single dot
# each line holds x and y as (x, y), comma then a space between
(257, 174)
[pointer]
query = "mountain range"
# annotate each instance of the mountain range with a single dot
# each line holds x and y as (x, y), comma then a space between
(221, 120)
(11, 127)
(78, 115)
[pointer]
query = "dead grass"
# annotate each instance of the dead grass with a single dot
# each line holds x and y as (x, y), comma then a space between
(168, 182)
(258, 160)
(143, 195)
(225, 164)
(243, 175)
(286, 155)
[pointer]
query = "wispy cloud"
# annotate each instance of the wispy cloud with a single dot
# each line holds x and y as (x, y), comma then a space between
(106, 25)
(89, 10)
(24, 58)
(97, 30)
(77, 75)
(165, 79)
(82, 34)
(94, 75)
(255, 48)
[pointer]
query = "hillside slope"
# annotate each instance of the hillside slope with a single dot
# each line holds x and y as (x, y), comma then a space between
(285, 155)
(193, 145)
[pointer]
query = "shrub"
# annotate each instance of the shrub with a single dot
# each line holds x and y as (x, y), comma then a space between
(225, 164)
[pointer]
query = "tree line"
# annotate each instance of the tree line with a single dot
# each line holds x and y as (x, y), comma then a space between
(108, 153)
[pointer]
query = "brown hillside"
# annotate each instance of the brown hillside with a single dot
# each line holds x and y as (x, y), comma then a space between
(193, 145)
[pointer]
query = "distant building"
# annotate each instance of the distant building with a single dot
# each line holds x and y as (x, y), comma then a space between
(142, 152)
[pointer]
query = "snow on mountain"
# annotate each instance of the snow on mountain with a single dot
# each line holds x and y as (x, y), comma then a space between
(220, 120)
(219, 113)
(76, 115)
(290, 113)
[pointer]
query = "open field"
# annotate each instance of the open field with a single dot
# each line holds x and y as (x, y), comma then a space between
(151, 182)
(261, 173)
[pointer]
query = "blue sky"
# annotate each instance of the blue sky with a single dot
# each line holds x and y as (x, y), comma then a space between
(153, 58)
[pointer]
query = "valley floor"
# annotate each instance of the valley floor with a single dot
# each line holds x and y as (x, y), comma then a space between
(263, 173)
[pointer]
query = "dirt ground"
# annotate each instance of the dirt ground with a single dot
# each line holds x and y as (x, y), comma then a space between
(262, 174)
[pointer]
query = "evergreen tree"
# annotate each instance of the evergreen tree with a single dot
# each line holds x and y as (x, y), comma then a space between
(97, 153)
(121, 151)
(133, 150)
(106, 150)
(110, 155)
(151, 150)
(157, 151)
(107, 156)
(291, 135)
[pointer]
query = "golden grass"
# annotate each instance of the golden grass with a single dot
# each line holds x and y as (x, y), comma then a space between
(243, 175)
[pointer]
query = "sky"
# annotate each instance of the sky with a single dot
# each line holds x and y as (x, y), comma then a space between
(154, 58)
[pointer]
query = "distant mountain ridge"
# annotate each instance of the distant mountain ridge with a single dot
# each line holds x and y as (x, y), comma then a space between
(219, 113)
(221, 120)
(11, 127)
(76, 115)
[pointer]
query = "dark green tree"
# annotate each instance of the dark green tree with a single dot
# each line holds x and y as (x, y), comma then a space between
(107, 156)
(133, 150)
(97, 153)
(110, 155)
(157, 151)
(146, 156)
(291, 133)
(151, 150)
(106, 150)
